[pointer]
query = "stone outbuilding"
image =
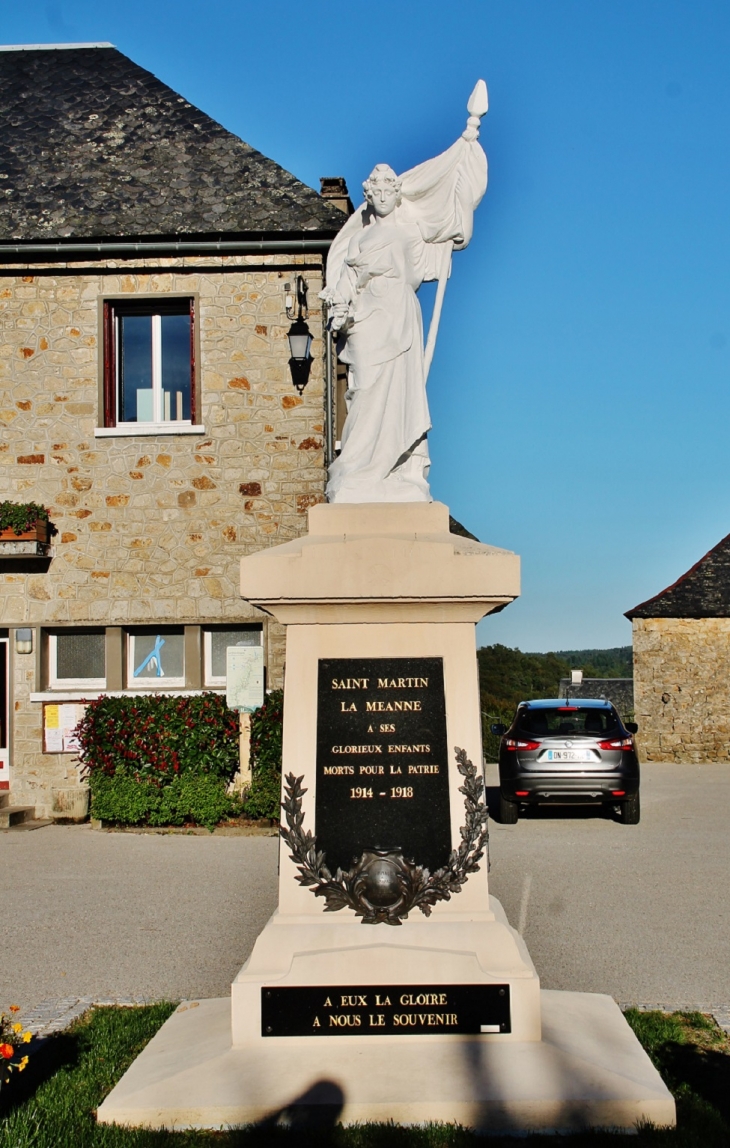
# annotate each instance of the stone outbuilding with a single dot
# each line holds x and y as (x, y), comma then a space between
(618, 691)
(149, 261)
(682, 664)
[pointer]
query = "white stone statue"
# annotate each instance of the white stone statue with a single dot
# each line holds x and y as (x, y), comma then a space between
(400, 237)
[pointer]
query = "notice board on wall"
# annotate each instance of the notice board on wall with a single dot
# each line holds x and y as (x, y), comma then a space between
(245, 678)
(59, 722)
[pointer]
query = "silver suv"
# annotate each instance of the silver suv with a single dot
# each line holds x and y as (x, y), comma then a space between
(561, 750)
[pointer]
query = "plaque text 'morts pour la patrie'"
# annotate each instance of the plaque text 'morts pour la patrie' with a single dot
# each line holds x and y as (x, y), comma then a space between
(382, 760)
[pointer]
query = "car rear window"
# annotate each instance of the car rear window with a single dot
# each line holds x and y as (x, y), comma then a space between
(567, 720)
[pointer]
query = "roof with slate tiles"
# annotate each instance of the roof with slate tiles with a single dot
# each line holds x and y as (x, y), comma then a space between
(455, 527)
(92, 146)
(703, 592)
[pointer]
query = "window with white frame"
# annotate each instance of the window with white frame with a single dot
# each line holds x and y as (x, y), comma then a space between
(155, 657)
(216, 641)
(77, 659)
(149, 363)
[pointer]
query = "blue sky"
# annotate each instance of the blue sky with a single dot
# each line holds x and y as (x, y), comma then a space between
(580, 392)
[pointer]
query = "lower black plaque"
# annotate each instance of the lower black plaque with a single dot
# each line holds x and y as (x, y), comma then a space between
(392, 1010)
(382, 762)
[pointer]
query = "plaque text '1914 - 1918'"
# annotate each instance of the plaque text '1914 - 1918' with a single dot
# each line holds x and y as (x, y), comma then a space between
(382, 778)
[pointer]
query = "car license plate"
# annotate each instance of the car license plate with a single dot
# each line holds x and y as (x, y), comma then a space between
(567, 755)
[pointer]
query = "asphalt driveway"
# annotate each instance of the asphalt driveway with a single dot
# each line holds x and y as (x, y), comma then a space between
(126, 915)
(641, 912)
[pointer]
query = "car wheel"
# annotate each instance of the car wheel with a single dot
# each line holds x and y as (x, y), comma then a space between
(630, 810)
(509, 811)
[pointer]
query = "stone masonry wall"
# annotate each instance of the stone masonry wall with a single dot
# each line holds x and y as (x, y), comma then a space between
(682, 688)
(150, 528)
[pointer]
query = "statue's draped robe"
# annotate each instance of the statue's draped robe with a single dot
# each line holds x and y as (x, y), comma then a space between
(376, 269)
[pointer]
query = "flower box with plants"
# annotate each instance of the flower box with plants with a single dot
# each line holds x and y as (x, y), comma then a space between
(12, 1042)
(24, 522)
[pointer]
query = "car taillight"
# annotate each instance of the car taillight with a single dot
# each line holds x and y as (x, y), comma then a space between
(510, 744)
(617, 743)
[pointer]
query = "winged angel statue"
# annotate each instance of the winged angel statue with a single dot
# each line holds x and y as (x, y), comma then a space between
(400, 237)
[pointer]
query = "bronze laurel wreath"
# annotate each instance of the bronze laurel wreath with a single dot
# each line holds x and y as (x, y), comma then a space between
(383, 886)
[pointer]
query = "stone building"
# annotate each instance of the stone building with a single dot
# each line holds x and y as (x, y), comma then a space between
(682, 664)
(147, 256)
(618, 691)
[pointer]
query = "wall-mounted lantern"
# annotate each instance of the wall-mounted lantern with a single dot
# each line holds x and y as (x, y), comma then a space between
(299, 335)
(24, 641)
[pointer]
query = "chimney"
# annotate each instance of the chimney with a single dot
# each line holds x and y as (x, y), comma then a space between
(335, 190)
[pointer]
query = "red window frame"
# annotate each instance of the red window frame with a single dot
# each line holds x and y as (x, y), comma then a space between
(114, 307)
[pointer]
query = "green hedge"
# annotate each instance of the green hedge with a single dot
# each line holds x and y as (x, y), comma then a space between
(160, 759)
(264, 797)
(123, 798)
(167, 759)
(157, 737)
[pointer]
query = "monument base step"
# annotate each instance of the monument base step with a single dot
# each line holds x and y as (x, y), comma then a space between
(589, 1070)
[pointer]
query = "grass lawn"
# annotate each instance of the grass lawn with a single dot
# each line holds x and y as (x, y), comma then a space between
(51, 1105)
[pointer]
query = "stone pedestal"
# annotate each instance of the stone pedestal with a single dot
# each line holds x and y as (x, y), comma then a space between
(371, 582)
(435, 1017)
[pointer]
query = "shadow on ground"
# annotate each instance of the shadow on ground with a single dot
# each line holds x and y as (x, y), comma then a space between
(46, 1058)
(706, 1071)
(546, 812)
(320, 1107)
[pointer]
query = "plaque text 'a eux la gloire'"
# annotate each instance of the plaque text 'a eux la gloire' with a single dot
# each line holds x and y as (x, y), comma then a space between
(392, 1010)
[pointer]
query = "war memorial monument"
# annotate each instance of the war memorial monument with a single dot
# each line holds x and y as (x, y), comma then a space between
(388, 984)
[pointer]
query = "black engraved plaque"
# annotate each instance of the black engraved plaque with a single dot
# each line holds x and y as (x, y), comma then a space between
(388, 1010)
(382, 760)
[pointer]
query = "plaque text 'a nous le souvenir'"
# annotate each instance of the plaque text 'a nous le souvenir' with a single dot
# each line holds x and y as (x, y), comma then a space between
(400, 1010)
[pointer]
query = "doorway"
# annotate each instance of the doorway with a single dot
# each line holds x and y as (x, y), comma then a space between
(4, 716)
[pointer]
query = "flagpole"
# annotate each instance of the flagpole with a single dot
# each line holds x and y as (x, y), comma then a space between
(438, 304)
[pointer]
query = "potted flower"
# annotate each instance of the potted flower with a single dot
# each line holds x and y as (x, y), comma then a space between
(24, 522)
(12, 1039)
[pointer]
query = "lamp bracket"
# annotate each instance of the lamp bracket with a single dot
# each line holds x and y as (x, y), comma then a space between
(297, 302)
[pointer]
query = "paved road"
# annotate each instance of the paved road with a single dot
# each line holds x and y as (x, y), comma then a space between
(641, 912)
(92, 914)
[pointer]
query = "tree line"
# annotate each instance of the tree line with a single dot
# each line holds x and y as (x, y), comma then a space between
(508, 676)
